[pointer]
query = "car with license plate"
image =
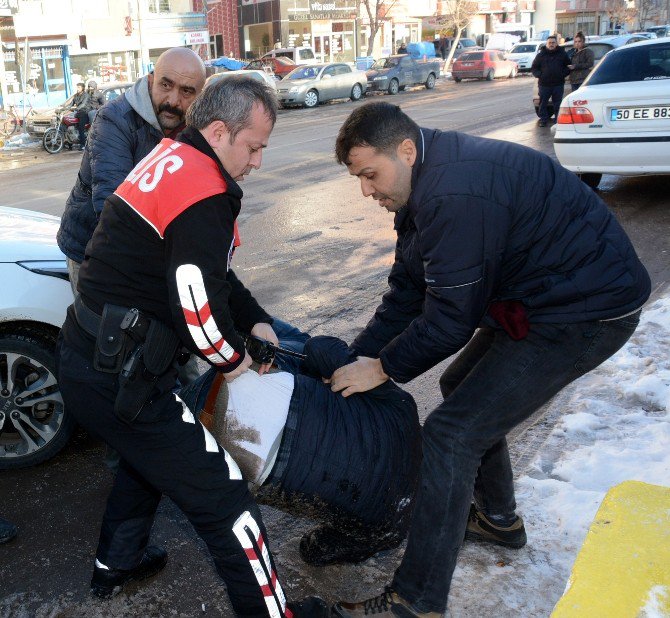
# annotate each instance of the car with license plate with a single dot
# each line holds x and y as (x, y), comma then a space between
(486, 64)
(524, 54)
(394, 73)
(279, 66)
(310, 85)
(34, 425)
(39, 122)
(618, 122)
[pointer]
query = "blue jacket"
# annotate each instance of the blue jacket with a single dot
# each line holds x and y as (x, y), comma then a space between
(488, 221)
(124, 132)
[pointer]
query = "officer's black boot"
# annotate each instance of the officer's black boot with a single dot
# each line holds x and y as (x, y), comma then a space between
(108, 582)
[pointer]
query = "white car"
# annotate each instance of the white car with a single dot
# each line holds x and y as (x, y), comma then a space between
(261, 76)
(618, 122)
(524, 54)
(34, 296)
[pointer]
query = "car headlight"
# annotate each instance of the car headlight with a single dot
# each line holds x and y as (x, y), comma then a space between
(380, 78)
(51, 268)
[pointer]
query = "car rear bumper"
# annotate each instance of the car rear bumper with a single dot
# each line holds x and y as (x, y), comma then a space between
(614, 154)
(478, 74)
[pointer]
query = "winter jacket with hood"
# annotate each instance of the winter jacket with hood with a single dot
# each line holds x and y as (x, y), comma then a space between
(551, 67)
(491, 221)
(124, 132)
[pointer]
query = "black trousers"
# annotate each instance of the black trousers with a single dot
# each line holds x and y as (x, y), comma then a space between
(82, 117)
(165, 451)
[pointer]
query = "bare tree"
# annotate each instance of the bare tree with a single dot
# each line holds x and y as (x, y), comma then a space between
(456, 15)
(618, 12)
(377, 11)
(647, 9)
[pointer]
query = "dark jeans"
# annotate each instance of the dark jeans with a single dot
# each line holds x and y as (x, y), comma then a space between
(494, 384)
(555, 93)
(82, 117)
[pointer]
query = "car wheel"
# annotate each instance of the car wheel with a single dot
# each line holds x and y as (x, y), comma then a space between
(53, 140)
(458, 79)
(312, 98)
(394, 87)
(356, 92)
(33, 423)
(591, 179)
(490, 75)
(430, 82)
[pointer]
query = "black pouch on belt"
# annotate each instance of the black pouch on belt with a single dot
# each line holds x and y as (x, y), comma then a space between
(143, 366)
(112, 344)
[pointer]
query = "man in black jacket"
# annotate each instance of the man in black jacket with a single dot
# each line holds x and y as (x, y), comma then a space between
(81, 103)
(508, 258)
(551, 68)
(157, 277)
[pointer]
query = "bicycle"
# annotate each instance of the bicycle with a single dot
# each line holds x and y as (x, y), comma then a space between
(10, 121)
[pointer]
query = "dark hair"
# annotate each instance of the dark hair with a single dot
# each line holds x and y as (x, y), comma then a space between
(579, 35)
(230, 99)
(383, 126)
(552, 36)
(82, 84)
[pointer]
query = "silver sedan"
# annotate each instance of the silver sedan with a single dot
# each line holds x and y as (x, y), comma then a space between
(313, 84)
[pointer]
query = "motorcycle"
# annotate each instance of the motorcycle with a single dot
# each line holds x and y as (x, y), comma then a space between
(62, 133)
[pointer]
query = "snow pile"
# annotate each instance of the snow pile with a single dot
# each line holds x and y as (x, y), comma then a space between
(21, 140)
(616, 427)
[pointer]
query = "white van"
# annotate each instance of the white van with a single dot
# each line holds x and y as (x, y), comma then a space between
(299, 55)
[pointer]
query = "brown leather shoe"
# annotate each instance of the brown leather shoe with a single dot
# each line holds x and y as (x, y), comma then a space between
(480, 528)
(388, 603)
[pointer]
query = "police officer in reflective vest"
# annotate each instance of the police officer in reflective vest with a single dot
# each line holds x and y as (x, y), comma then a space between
(157, 277)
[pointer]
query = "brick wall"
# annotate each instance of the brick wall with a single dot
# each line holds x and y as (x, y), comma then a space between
(222, 19)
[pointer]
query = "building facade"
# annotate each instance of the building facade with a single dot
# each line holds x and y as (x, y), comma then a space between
(47, 46)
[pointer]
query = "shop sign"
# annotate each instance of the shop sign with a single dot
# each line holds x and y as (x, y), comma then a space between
(197, 38)
(323, 10)
(250, 2)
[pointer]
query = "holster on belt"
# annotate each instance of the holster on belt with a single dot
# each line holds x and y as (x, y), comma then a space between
(143, 366)
(112, 344)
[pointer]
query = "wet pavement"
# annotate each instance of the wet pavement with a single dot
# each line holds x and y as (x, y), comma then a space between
(316, 253)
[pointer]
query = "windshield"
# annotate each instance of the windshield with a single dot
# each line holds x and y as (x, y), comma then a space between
(523, 49)
(308, 72)
(470, 56)
(386, 63)
(638, 64)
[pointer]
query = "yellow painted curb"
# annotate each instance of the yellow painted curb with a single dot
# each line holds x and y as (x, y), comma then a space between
(624, 563)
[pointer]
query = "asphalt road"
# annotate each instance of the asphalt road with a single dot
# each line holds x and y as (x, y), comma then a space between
(314, 252)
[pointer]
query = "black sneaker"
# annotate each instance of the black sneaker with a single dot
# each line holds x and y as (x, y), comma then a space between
(328, 545)
(388, 603)
(482, 529)
(108, 582)
(541, 123)
(311, 607)
(7, 530)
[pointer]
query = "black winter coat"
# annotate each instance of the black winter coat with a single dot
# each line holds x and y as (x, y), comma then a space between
(118, 140)
(551, 67)
(489, 220)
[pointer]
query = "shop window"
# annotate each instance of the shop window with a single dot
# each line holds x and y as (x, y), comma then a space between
(159, 6)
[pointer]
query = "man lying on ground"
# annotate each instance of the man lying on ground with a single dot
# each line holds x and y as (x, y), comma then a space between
(290, 434)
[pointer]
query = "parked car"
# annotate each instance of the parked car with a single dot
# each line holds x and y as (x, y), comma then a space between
(660, 31)
(299, 55)
(280, 66)
(395, 73)
(34, 296)
(39, 122)
(443, 46)
(260, 76)
(524, 54)
(485, 64)
(314, 84)
(618, 122)
(600, 47)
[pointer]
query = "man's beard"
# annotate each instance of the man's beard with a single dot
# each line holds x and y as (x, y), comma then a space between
(170, 124)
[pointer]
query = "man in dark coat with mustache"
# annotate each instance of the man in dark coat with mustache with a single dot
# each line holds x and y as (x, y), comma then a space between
(125, 131)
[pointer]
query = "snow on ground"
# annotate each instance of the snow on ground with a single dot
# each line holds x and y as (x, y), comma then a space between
(616, 427)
